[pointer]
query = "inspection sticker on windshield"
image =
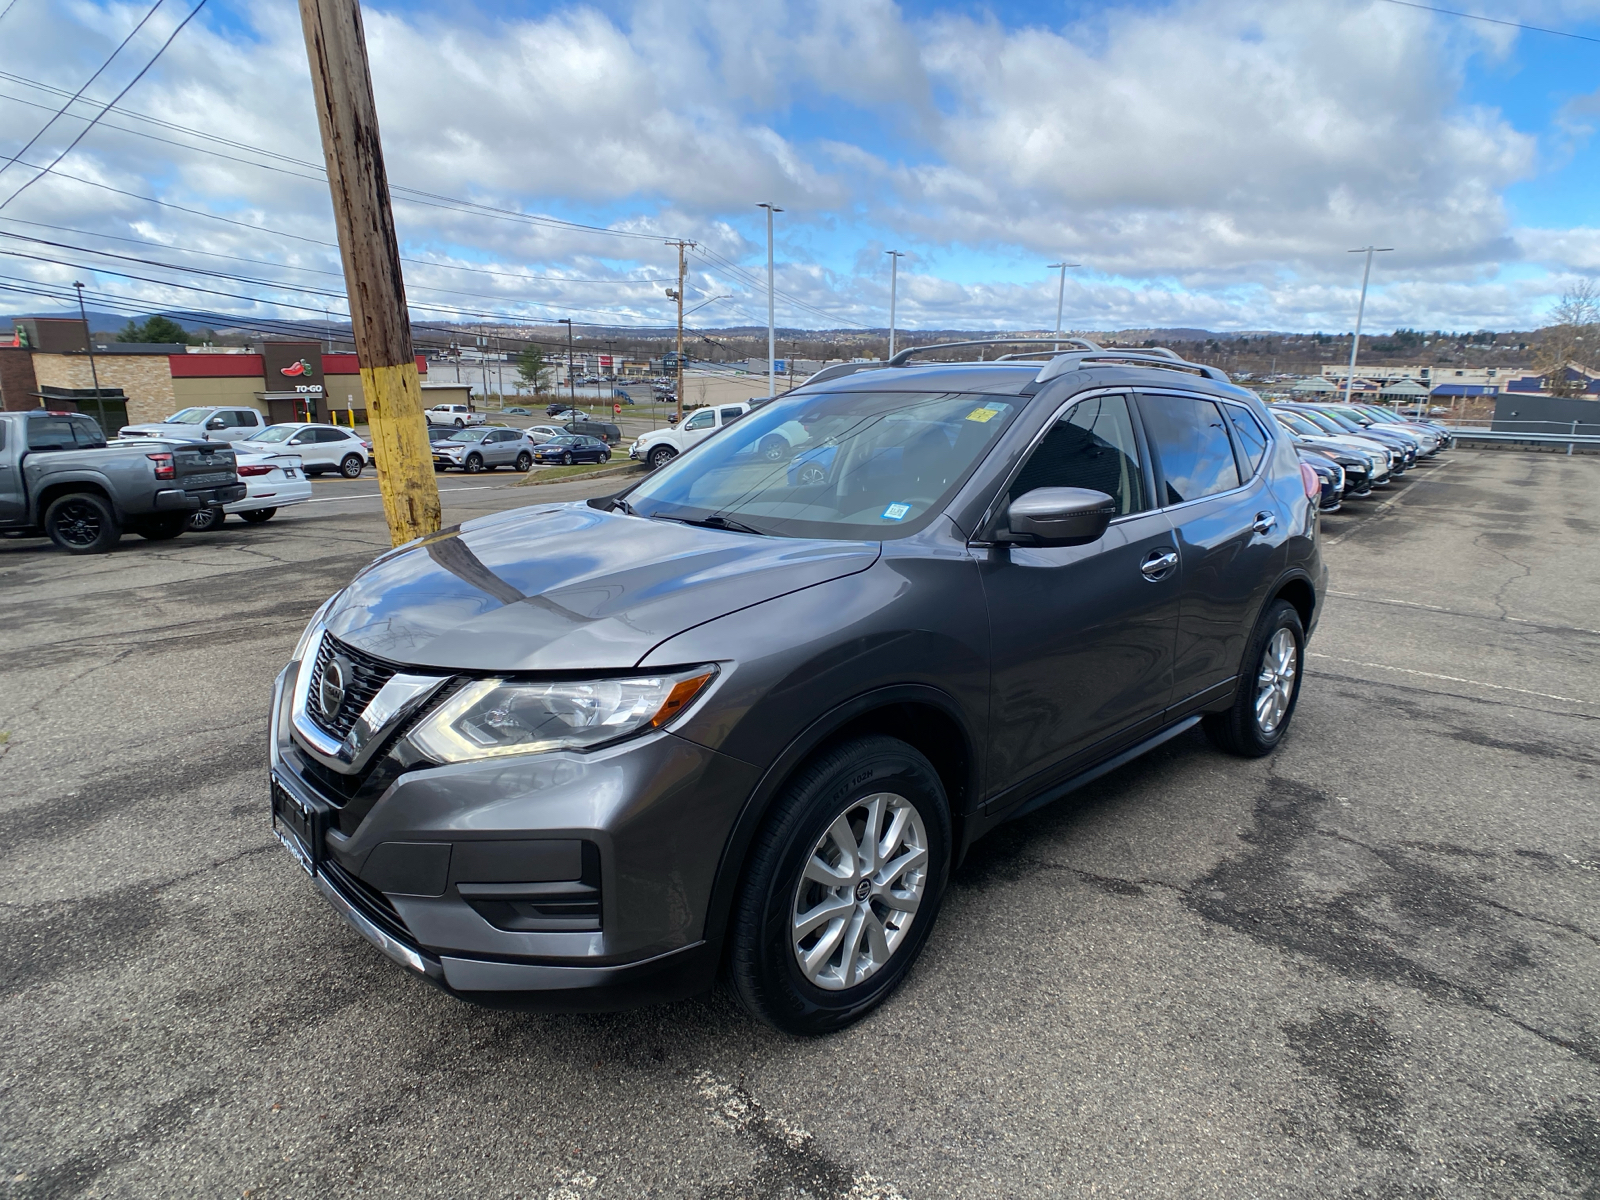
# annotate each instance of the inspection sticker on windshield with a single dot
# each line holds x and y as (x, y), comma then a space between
(896, 512)
(981, 415)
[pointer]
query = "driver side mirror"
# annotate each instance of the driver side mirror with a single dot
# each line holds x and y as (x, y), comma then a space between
(216, 423)
(1058, 516)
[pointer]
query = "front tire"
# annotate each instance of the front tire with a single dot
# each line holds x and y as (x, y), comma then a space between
(203, 520)
(842, 887)
(82, 523)
(566, 458)
(1269, 686)
(350, 468)
(661, 456)
(474, 464)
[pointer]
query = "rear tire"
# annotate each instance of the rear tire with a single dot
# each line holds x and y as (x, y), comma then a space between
(1269, 686)
(257, 516)
(350, 468)
(82, 523)
(524, 461)
(878, 912)
(163, 528)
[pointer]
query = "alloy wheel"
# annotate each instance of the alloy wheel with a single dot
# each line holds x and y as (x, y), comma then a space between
(1275, 684)
(79, 523)
(859, 892)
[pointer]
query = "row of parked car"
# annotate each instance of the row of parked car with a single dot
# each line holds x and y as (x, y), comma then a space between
(1355, 448)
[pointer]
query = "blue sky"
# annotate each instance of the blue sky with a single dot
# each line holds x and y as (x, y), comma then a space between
(1207, 162)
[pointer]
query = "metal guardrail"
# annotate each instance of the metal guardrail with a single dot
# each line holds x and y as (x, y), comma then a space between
(1505, 437)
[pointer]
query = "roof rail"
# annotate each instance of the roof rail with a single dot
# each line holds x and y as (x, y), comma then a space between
(899, 360)
(1155, 356)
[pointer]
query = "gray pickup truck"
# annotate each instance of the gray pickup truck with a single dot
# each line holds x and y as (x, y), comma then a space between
(59, 477)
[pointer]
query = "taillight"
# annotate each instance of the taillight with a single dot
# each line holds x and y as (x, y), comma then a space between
(164, 466)
(248, 472)
(1310, 481)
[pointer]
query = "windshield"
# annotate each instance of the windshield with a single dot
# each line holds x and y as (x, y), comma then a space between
(1296, 422)
(1324, 423)
(464, 436)
(276, 433)
(831, 465)
(188, 416)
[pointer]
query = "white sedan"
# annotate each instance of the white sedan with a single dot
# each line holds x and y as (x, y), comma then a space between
(320, 447)
(272, 480)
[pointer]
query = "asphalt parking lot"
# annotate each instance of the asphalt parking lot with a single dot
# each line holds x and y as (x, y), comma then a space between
(1367, 966)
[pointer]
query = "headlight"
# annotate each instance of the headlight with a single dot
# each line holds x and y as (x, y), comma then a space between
(490, 717)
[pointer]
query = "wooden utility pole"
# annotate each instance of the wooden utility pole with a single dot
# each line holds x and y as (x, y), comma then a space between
(678, 295)
(348, 115)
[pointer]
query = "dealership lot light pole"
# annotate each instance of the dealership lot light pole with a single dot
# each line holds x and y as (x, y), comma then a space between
(1061, 293)
(1361, 309)
(894, 286)
(348, 117)
(772, 329)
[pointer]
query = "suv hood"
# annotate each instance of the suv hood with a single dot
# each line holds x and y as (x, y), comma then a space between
(188, 433)
(569, 588)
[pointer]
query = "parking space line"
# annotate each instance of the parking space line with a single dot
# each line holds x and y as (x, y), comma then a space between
(1499, 687)
(1392, 503)
(482, 487)
(1456, 612)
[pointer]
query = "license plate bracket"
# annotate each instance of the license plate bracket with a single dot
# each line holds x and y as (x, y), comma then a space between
(300, 824)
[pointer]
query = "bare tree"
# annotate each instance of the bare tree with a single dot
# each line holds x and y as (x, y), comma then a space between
(1572, 334)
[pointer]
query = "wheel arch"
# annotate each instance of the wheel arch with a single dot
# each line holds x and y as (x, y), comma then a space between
(1299, 591)
(922, 716)
(49, 494)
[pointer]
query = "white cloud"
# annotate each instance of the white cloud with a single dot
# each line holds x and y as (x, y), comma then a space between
(1209, 162)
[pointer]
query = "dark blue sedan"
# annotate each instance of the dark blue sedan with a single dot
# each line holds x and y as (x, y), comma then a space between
(572, 448)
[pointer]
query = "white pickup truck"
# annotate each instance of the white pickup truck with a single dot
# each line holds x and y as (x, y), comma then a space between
(458, 415)
(663, 445)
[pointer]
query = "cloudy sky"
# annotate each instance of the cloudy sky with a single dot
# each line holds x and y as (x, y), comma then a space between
(1203, 162)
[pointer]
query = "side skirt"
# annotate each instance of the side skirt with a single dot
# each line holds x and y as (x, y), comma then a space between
(1052, 794)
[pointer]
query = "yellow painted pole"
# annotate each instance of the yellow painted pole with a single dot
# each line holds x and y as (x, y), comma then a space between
(347, 114)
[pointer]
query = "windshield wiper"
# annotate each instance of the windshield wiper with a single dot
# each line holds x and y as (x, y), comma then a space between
(719, 522)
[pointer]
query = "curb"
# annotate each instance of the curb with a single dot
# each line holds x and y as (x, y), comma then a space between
(532, 480)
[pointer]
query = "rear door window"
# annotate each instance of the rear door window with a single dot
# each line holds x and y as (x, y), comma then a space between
(1191, 446)
(1251, 438)
(730, 415)
(50, 433)
(1091, 446)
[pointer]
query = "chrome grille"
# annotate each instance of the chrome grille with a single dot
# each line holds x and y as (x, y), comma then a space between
(368, 675)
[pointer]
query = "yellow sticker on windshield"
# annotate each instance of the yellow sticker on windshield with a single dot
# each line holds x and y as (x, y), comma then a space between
(981, 415)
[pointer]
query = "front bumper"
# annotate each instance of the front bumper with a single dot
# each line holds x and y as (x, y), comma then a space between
(652, 814)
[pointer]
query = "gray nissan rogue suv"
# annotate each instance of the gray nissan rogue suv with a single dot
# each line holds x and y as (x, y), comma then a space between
(745, 717)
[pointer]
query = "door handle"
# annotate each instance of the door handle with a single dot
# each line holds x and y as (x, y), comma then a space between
(1158, 563)
(1264, 522)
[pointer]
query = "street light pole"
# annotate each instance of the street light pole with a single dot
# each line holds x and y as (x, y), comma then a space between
(1061, 293)
(772, 329)
(1361, 309)
(894, 286)
(572, 388)
(88, 340)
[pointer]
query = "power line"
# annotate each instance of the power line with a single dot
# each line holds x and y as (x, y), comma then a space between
(425, 198)
(129, 87)
(1466, 16)
(75, 95)
(261, 262)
